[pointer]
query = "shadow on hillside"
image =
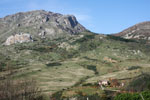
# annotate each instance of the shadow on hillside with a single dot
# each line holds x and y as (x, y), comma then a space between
(53, 64)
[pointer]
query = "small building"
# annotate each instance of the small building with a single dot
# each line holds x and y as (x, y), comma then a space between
(104, 83)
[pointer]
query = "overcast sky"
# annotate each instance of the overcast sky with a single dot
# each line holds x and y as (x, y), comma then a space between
(100, 16)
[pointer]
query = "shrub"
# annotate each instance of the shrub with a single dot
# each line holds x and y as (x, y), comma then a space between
(53, 64)
(146, 95)
(92, 67)
(128, 96)
(133, 96)
(134, 67)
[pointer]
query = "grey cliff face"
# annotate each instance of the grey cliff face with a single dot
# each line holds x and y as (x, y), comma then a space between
(39, 23)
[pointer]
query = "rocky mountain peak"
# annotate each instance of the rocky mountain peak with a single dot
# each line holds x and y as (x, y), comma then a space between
(39, 23)
(40, 17)
(138, 31)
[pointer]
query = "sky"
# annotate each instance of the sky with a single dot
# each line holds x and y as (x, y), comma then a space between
(99, 16)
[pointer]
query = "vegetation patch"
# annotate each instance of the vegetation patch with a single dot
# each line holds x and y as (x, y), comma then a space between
(87, 58)
(93, 68)
(53, 64)
(89, 67)
(134, 67)
(89, 45)
(82, 93)
(6, 63)
(140, 83)
(84, 39)
(133, 96)
(120, 38)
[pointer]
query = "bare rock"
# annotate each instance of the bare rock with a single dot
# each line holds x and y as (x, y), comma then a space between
(18, 38)
(40, 23)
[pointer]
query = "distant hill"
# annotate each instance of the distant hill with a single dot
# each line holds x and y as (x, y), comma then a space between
(138, 31)
(39, 23)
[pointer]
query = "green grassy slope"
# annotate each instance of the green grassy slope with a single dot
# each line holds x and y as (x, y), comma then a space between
(72, 61)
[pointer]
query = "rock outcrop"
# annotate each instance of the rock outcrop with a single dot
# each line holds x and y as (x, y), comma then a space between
(138, 31)
(39, 23)
(18, 38)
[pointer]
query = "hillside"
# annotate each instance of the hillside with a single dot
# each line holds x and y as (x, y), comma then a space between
(69, 65)
(138, 31)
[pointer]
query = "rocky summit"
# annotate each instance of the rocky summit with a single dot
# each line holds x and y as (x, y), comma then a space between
(39, 23)
(138, 31)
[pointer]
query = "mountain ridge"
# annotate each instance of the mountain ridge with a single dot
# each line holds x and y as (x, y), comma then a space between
(137, 31)
(39, 24)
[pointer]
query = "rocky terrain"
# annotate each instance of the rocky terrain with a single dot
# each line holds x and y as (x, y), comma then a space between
(40, 24)
(18, 38)
(138, 31)
(67, 62)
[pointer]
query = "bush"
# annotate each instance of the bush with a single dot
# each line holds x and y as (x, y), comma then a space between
(53, 64)
(146, 95)
(90, 67)
(134, 67)
(133, 96)
(93, 68)
(128, 96)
